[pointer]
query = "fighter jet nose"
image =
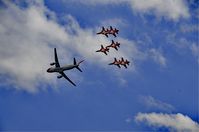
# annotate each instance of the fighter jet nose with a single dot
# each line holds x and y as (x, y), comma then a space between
(48, 70)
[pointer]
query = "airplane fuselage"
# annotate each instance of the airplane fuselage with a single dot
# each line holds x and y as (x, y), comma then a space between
(61, 69)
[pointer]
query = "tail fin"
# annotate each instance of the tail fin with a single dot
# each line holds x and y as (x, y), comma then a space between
(116, 31)
(74, 61)
(127, 62)
(118, 44)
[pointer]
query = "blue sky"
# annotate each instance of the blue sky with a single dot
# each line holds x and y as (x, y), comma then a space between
(158, 91)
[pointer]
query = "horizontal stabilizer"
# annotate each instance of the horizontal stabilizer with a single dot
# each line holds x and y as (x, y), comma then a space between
(79, 69)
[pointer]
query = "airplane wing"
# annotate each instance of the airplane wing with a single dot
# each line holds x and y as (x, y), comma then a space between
(106, 35)
(56, 58)
(64, 75)
(114, 35)
(119, 66)
(125, 66)
(112, 42)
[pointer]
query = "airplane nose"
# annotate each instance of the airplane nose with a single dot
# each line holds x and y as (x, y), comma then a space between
(48, 70)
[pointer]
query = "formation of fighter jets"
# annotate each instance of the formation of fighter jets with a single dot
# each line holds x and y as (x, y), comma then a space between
(120, 62)
(114, 45)
(107, 31)
(61, 70)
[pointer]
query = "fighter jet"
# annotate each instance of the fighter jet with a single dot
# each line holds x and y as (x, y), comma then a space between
(104, 32)
(113, 31)
(117, 63)
(114, 45)
(124, 63)
(104, 50)
(61, 70)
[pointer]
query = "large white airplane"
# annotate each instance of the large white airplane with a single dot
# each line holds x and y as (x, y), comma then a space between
(61, 70)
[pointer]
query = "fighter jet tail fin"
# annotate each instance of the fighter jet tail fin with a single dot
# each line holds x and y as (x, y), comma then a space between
(116, 31)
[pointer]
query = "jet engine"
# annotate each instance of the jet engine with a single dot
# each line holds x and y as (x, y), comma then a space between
(52, 63)
(60, 76)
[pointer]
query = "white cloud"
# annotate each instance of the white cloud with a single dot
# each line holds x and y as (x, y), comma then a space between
(189, 28)
(27, 39)
(171, 9)
(157, 56)
(155, 104)
(182, 43)
(195, 49)
(174, 122)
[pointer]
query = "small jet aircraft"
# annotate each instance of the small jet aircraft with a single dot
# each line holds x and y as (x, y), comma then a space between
(104, 32)
(117, 63)
(61, 70)
(113, 31)
(124, 63)
(114, 45)
(104, 50)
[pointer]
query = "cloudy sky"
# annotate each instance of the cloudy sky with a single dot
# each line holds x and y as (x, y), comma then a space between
(158, 91)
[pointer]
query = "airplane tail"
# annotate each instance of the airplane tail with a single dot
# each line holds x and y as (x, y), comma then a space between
(116, 31)
(75, 63)
(118, 44)
(127, 62)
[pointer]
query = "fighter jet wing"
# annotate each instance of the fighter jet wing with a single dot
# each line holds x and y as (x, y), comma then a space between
(114, 35)
(119, 66)
(56, 58)
(64, 75)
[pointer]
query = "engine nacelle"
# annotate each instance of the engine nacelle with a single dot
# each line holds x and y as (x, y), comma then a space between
(52, 63)
(60, 76)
